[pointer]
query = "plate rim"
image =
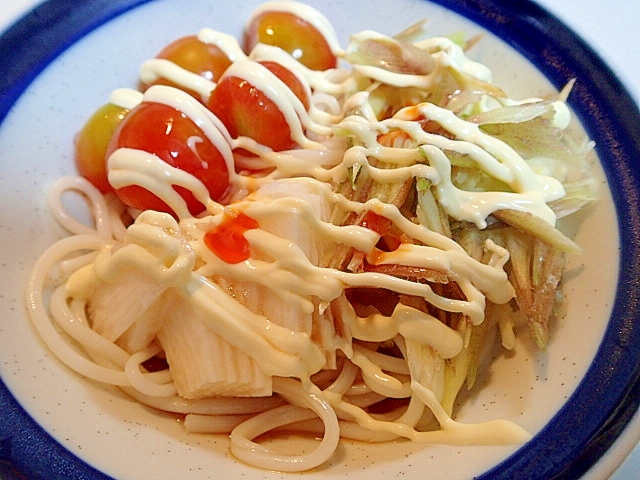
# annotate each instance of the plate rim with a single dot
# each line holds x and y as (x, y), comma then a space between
(561, 54)
(598, 99)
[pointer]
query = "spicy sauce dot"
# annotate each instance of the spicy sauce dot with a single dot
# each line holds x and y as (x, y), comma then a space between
(227, 241)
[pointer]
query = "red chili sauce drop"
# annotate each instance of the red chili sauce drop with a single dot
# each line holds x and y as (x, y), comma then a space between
(227, 240)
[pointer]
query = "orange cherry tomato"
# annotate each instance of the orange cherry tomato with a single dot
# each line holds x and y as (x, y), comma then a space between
(91, 142)
(294, 35)
(195, 56)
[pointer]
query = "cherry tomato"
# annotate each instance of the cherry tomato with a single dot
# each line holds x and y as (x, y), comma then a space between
(92, 141)
(169, 134)
(294, 35)
(247, 111)
(290, 80)
(195, 56)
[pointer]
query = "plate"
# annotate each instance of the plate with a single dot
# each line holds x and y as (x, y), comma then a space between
(61, 62)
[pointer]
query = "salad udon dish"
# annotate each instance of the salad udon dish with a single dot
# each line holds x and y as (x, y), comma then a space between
(290, 236)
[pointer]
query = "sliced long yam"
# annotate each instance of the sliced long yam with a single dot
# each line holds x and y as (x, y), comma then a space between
(262, 301)
(115, 306)
(324, 324)
(144, 329)
(293, 225)
(204, 364)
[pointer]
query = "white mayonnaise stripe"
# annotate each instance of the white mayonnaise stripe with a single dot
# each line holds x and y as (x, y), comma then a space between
(412, 324)
(225, 42)
(159, 68)
(128, 166)
(126, 98)
(269, 53)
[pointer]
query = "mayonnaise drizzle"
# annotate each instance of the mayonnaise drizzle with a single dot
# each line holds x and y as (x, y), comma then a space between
(155, 244)
(126, 98)
(129, 166)
(228, 44)
(445, 52)
(531, 191)
(269, 53)
(291, 275)
(493, 432)
(158, 68)
(411, 324)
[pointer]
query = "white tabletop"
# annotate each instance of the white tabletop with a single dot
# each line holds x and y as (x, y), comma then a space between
(610, 27)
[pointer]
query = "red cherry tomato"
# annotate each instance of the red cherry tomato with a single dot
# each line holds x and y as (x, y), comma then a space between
(290, 80)
(247, 111)
(294, 35)
(168, 133)
(91, 142)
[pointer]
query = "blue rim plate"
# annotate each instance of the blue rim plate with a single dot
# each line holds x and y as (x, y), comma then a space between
(608, 396)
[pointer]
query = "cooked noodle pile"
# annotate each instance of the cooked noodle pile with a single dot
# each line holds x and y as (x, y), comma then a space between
(414, 219)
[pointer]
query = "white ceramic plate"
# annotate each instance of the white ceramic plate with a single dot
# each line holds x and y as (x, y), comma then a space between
(578, 405)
